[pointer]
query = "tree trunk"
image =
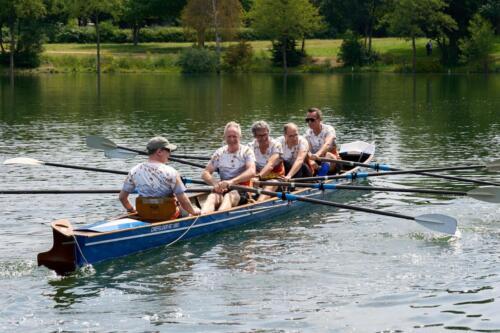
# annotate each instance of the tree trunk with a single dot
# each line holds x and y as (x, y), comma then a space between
(283, 53)
(135, 33)
(201, 38)
(414, 60)
(303, 47)
(12, 27)
(217, 37)
(1, 42)
(98, 37)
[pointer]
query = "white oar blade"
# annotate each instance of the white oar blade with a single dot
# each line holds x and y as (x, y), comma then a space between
(23, 160)
(119, 153)
(97, 142)
(493, 166)
(486, 193)
(438, 222)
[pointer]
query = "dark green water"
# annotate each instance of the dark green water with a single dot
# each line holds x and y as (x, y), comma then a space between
(319, 270)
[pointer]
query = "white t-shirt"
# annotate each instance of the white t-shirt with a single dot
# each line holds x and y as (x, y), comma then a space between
(230, 165)
(317, 141)
(290, 154)
(153, 179)
(261, 159)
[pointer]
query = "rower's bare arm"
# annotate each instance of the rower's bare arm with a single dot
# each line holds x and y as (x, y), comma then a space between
(326, 146)
(271, 163)
(207, 175)
(297, 164)
(123, 196)
(186, 204)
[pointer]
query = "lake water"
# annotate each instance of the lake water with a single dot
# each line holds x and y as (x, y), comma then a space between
(320, 270)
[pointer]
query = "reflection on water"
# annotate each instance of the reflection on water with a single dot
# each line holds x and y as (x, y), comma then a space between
(314, 269)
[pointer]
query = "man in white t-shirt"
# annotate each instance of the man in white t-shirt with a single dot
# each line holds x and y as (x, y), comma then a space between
(295, 149)
(322, 140)
(154, 178)
(235, 164)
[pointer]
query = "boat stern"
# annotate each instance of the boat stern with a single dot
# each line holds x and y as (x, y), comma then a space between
(61, 257)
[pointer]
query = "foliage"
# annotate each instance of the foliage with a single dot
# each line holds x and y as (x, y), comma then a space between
(220, 15)
(23, 18)
(197, 60)
(479, 46)
(284, 20)
(352, 52)
(238, 57)
(414, 18)
(294, 57)
(491, 11)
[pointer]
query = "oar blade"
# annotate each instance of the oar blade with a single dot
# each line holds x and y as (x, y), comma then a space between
(119, 153)
(23, 160)
(438, 222)
(486, 193)
(97, 142)
(493, 166)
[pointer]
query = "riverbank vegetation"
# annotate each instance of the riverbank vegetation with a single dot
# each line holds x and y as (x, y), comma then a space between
(250, 35)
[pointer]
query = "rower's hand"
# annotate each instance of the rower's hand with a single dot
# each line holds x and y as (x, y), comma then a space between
(196, 211)
(222, 187)
(314, 157)
(314, 165)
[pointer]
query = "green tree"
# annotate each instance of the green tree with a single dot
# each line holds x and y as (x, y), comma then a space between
(481, 43)
(282, 20)
(412, 18)
(491, 11)
(18, 14)
(138, 13)
(96, 11)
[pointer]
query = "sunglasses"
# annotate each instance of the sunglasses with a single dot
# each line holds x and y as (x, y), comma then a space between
(310, 120)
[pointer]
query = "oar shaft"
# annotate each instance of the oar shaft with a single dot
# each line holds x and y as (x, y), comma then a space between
(288, 196)
(85, 168)
(175, 159)
(362, 188)
(423, 172)
(194, 157)
(187, 162)
(103, 191)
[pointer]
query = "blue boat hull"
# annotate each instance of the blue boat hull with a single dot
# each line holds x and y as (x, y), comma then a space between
(116, 238)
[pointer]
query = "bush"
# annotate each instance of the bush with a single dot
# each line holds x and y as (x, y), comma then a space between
(238, 57)
(197, 60)
(477, 49)
(352, 52)
(293, 56)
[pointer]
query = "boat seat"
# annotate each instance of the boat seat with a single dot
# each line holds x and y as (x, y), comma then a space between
(154, 209)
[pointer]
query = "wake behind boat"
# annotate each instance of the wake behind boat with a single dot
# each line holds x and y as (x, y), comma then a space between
(104, 240)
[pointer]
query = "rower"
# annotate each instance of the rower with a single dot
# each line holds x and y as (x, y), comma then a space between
(159, 186)
(268, 151)
(235, 164)
(322, 142)
(295, 149)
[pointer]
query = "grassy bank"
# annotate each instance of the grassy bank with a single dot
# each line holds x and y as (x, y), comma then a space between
(395, 56)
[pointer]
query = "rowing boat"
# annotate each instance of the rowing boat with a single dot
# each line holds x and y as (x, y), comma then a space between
(104, 240)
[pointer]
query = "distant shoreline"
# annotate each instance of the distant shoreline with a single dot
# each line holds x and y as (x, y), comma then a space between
(394, 57)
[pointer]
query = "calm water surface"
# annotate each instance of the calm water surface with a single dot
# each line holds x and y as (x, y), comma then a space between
(320, 270)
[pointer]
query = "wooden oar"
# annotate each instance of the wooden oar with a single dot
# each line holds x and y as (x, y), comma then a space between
(486, 193)
(111, 149)
(355, 175)
(32, 161)
(491, 166)
(437, 222)
(103, 191)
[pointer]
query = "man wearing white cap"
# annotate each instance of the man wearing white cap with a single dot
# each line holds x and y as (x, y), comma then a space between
(154, 178)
